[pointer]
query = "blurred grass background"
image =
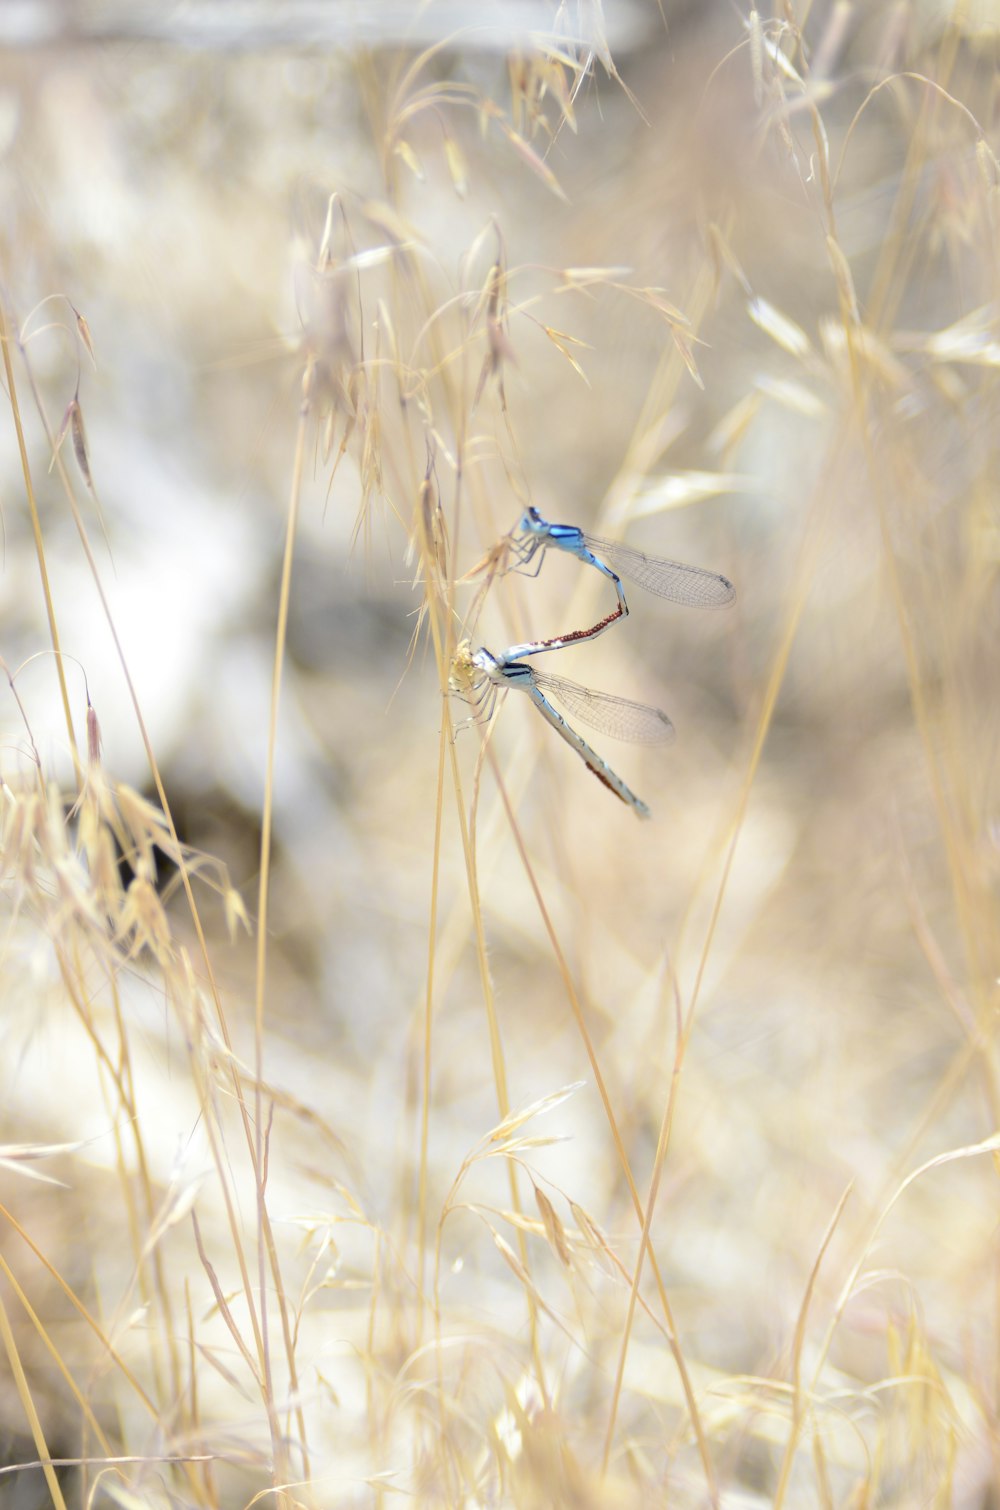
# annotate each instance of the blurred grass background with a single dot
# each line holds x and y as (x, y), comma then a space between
(344, 291)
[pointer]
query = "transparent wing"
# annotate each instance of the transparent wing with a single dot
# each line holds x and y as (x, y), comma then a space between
(608, 714)
(690, 585)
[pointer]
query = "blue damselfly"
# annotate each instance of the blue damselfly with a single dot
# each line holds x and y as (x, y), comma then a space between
(691, 586)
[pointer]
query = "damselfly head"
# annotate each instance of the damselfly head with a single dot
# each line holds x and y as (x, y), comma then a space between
(531, 522)
(484, 660)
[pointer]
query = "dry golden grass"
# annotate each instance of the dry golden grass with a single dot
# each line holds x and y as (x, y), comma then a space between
(385, 1113)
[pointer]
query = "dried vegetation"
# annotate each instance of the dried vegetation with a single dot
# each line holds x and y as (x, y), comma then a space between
(452, 1136)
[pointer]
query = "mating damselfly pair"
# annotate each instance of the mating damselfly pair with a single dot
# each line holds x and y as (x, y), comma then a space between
(478, 675)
